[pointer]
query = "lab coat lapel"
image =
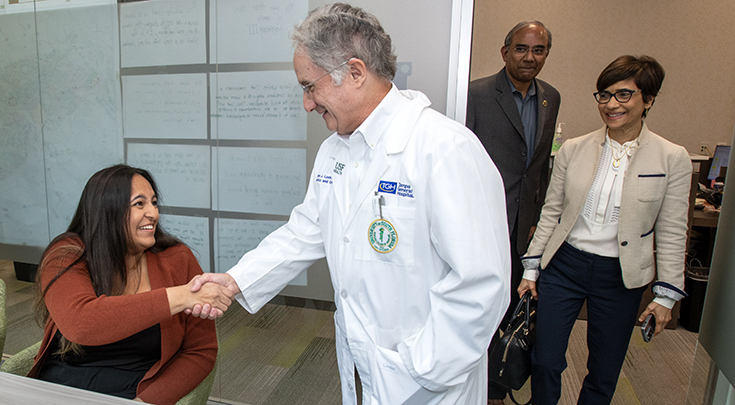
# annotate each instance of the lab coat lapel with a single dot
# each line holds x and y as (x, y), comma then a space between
(378, 166)
(394, 141)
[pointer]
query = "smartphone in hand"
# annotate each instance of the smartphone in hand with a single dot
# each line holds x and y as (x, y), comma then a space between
(648, 327)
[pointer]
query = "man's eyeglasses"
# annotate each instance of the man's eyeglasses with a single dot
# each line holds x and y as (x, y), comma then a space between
(309, 87)
(536, 51)
(623, 96)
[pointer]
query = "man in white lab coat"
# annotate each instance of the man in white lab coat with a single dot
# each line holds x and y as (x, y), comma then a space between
(409, 211)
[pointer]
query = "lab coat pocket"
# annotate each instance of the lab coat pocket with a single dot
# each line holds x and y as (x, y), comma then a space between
(392, 382)
(390, 239)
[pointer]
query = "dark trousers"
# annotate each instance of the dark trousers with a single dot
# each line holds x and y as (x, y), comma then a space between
(496, 391)
(572, 277)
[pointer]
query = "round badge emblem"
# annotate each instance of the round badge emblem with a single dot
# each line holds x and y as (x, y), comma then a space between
(382, 236)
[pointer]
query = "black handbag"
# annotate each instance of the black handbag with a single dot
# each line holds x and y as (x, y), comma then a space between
(510, 356)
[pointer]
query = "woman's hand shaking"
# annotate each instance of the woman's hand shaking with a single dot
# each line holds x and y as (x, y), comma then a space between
(211, 295)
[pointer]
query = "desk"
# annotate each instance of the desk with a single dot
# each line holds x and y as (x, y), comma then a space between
(23, 390)
(706, 221)
(707, 217)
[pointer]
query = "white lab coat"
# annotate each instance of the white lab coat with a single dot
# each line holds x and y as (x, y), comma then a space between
(416, 321)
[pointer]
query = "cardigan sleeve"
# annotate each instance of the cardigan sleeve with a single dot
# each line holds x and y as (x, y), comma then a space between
(86, 319)
(193, 355)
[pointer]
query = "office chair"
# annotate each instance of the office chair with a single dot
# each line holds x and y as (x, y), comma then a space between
(21, 363)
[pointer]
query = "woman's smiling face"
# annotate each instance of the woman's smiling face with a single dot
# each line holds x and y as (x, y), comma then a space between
(143, 217)
(624, 117)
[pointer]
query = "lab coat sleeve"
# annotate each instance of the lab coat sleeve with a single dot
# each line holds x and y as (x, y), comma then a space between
(281, 256)
(470, 233)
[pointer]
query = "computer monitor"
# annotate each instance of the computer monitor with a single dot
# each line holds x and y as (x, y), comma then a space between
(719, 160)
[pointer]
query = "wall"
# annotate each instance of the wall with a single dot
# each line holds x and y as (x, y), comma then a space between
(697, 101)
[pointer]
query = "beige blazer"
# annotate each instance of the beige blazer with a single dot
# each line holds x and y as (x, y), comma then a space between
(653, 210)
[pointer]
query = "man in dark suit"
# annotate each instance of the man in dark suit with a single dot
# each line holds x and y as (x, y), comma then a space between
(514, 115)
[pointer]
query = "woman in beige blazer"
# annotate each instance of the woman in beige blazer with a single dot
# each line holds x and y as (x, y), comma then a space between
(614, 194)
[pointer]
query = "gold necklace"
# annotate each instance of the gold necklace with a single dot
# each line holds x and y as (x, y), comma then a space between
(616, 160)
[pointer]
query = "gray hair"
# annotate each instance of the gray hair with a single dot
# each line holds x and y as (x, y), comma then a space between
(523, 24)
(332, 34)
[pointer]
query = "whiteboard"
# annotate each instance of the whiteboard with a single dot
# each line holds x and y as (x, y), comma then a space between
(258, 105)
(165, 106)
(154, 33)
(181, 172)
(201, 94)
(251, 31)
(194, 231)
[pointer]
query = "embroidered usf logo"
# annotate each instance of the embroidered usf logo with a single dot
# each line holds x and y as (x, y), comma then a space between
(338, 167)
(382, 236)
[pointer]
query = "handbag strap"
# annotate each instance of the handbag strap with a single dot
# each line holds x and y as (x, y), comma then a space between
(510, 392)
(524, 305)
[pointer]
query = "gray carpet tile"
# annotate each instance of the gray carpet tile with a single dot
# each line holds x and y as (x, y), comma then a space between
(312, 379)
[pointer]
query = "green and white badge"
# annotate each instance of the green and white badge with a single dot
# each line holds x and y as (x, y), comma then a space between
(382, 236)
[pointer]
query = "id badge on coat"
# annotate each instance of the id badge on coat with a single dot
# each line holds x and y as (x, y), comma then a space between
(382, 234)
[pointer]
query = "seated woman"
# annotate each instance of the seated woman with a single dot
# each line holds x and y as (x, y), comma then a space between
(112, 291)
(614, 194)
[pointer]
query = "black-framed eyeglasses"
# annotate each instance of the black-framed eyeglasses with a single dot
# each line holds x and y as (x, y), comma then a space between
(623, 96)
(536, 50)
(309, 87)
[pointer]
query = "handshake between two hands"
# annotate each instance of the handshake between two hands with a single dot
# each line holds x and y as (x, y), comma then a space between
(210, 294)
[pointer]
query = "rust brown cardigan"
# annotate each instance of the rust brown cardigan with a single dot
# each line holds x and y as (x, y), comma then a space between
(188, 344)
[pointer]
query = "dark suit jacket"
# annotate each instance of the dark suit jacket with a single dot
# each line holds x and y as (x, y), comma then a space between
(493, 116)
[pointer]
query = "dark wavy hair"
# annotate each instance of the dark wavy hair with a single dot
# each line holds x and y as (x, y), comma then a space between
(645, 71)
(98, 237)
